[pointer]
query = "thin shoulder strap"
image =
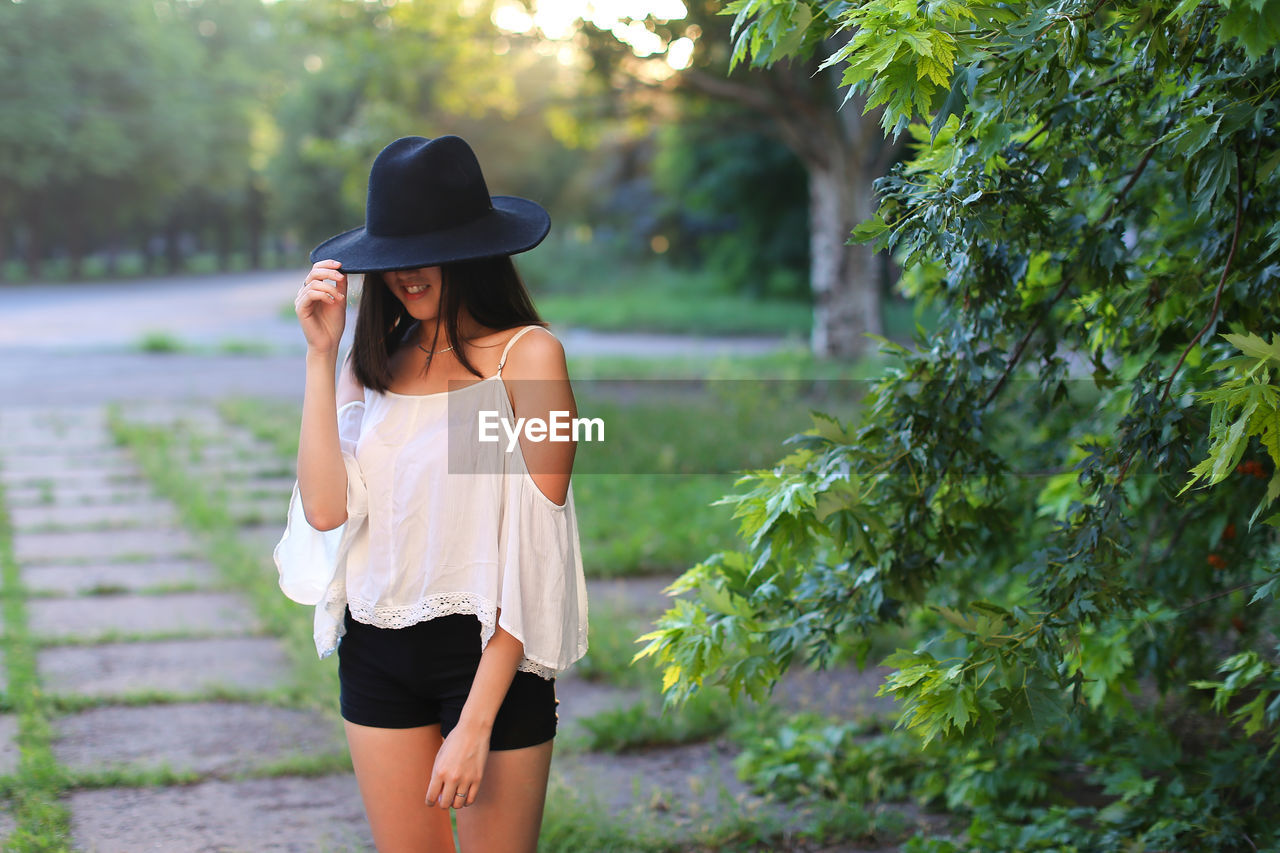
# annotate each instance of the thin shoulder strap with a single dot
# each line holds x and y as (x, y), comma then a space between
(507, 348)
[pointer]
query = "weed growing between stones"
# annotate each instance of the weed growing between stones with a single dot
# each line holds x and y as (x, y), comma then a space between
(115, 635)
(70, 703)
(43, 823)
(132, 777)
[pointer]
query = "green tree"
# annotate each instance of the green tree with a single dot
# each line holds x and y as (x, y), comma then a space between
(80, 84)
(734, 198)
(842, 150)
(122, 120)
(367, 73)
(1091, 202)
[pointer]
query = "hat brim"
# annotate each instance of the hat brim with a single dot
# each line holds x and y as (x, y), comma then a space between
(514, 225)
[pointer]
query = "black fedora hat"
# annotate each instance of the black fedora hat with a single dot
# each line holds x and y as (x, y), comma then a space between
(428, 205)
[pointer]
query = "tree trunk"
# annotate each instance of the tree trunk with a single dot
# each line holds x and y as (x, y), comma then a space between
(34, 249)
(222, 229)
(845, 279)
(256, 222)
(173, 246)
(843, 151)
(5, 224)
(75, 242)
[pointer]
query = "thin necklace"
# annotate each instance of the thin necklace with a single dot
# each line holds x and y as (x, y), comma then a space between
(428, 352)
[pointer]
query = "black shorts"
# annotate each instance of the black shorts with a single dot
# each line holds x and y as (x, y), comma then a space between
(399, 678)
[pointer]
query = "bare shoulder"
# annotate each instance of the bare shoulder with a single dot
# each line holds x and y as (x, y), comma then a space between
(537, 355)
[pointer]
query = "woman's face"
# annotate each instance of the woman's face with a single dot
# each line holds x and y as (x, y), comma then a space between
(418, 290)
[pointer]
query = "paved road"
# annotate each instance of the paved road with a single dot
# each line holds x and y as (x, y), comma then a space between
(69, 343)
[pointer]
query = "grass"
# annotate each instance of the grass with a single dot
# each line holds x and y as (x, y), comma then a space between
(68, 703)
(646, 724)
(42, 821)
(234, 346)
(674, 312)
(160, 342)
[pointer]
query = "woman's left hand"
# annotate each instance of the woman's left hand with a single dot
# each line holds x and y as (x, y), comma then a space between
(459, 766)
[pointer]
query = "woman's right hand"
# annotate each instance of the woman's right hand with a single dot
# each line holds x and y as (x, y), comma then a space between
(321, 306)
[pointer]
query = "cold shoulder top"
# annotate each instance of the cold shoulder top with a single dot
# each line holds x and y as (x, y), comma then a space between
(437, 527)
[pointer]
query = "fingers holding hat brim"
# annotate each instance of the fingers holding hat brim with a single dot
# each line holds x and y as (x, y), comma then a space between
(514, 225)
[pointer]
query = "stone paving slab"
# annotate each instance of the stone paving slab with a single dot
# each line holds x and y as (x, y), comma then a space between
(219, 475)
(55, 458)
(240, 467)
(37, 495)
(232, 451)
(88, 617)
(276, 500)
(262, 537)
(288, 814)
(58, 422)
(169, 410)
(105, 545)
(112, 669)
(118, 577)
(276, 484)
(21, 442)
(73, 477)
(273, 511)
(204, 737)
(115, 515)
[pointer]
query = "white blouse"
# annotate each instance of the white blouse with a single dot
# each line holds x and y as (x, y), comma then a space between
(437, 527)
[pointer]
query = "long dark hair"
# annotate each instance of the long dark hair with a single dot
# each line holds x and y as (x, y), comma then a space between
(490, 288)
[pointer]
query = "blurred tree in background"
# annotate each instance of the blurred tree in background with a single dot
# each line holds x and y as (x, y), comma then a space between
(734, 198)
(797, 102)
(143, 135)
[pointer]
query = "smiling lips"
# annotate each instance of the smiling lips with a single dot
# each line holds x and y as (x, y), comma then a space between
(416, 290)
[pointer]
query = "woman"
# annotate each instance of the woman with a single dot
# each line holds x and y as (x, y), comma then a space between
(445, 571)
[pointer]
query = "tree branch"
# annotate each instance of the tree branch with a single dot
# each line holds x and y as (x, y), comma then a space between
(1133, 179)
(725, 89)
(1213, 313)
(1217, 294)
(1221, 593)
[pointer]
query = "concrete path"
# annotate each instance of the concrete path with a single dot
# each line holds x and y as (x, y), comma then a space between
(123, 603)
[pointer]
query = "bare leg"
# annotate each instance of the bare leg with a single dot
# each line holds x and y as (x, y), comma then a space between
(393, 769)
(507, 814)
